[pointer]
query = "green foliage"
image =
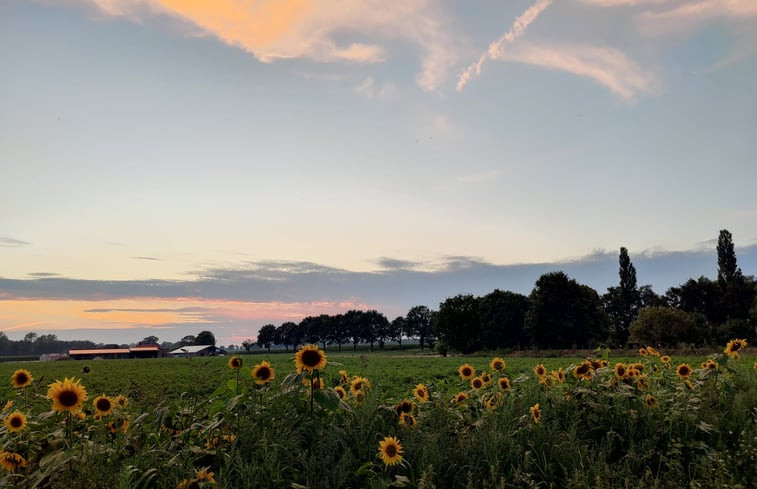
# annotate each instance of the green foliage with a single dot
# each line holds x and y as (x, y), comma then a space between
(664, 326)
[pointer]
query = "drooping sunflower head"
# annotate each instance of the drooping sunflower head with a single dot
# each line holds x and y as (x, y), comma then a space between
(359, 385)
(340, 392)
(683, 370)
(643, 352)
(310, 358)
(557, 376)
(650, 401)
(11, 462)
(710, 364)
(460, 397)
(638, 366)
(595, 364)
(652, 351)
(15, 421)
(476, 383)
(263, 373)
(103, 405)
(466, 371)
(536, 413)
(603, 363)
(733, 347)
(498, 365)
(641, 382)
(408, 420)
(343, 377)
(665, 359)
(67, 395)
(540, 371)
(118, 425)
(620, 370)
(504, 383)
(235, 363)
(486, 378)
(21, 378)
(8, 406)
(390, 451)
(421, 393)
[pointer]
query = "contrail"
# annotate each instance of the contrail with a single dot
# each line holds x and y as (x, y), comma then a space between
(495, 48)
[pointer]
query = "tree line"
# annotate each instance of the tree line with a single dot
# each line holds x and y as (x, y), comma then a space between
(558, 313)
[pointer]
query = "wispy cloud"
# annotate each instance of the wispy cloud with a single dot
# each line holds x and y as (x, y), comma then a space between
(6, 242)
(608, 67)
(517, 30)
(42, 274)
(685, 16)
(623, 3)
(320, 30)
(150, 258)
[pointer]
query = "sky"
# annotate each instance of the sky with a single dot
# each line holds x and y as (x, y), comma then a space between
(169, 166)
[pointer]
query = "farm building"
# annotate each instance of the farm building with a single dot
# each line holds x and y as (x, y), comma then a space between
(151, 351)
(197, 351)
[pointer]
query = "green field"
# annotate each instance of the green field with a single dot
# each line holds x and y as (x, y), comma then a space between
(189, 414)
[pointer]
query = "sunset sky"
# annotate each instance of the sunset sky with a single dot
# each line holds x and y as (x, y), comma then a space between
(168, 166)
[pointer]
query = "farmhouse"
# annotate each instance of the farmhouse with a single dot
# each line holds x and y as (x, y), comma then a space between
(144, 351)
(197, 351)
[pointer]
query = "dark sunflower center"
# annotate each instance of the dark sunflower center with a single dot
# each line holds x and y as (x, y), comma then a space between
(358, 386)
(236, 363)
(22, 378)
(264, 373)
(406, 407)
(103, 405)
(391, 450)
(68, 398)
(477, 383)
(621, 371)
(311, 358)
(582, 369)
(466, 372)
(16, 422)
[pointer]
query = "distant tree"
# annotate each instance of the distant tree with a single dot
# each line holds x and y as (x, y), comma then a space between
(503, 316)
(381, 327)
(701, 296)
(396, 328)
(337, 330)
(728, 270)
(187, 340)
(248, 344)
(205, 338)
(311, 329)
(458, 324)
(354, 322)
(149, 340)
(266, 336)
(30, 337)
(288, 334)
(565, 314)
(622, 303)
(418, 322)
(648, 297)
(664, 326)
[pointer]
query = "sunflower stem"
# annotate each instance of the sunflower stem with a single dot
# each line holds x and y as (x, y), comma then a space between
(311, 394)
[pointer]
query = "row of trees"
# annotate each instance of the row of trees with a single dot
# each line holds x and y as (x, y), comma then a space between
(558, 313)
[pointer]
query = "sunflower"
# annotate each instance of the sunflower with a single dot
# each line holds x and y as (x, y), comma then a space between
(11, 461)
(584, 370)
(460, 397)
(641, 382)
(67, 395)
(653, 352)
(466, 371)
(121, 401)
(202, 478)
(665, 360)
(620, 370)
(650, 401)
(263, 373)
(733, 347)
(683, 370)
(604, 363)
(755, 365)
(118, 424)
(498, 365)
(540, 371)
(491, 402)
(476, 383)
(710, 364)
(536, 413)
(359, 397)
(486, 378)
(8, 406)
(81, 416)
(557, 375)
(406, 406)
(103, 405)
(310, 358)
(21, 378)
(643, 352)
(16, 421)
(421, 393)
(390, 451)
(359, 384)
(343, 377)
(637, 366)
(504, 383)
(235, 363)
(407, 420)
(319, 383)
(689, 384)
(340, 392)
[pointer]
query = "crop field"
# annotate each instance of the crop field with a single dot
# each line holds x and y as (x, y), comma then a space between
(343, 420)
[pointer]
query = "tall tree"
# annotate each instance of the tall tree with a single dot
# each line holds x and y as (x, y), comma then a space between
(503, 315)
(458, 323)
(337, 330)
(266, 336)
(396, 328)
(418, 321)
(205, 338)
(622, 303)
(728, 270)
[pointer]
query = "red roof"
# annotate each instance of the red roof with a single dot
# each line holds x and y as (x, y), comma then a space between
(145, 348)
(101, 351)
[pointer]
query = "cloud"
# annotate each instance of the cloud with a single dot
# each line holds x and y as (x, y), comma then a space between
(144, 258)
(608, 67)
(396, 264)
(6, 242)
(689, 15)
(622, 3)
(42, 274)
(517, 30)
(351, 31)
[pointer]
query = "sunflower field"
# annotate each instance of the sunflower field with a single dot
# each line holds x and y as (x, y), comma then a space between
(311, 421)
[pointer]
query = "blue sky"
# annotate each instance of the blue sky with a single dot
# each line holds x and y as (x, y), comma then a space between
(167, 140)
